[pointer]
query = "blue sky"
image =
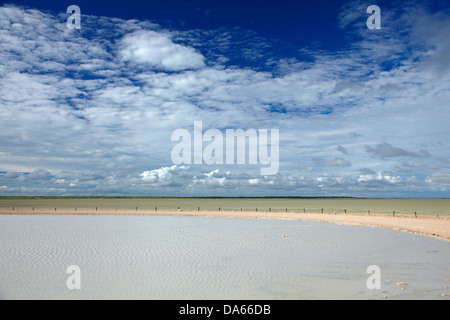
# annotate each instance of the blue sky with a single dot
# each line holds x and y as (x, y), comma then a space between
(91, 112)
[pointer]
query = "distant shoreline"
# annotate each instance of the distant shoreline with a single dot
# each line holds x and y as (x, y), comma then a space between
(208, 197)
(427, 226)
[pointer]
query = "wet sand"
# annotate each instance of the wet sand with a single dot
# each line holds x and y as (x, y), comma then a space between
(428, 226)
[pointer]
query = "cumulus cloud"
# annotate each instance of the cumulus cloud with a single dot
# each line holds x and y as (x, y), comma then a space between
(159, 51)
(381, 176)
(439, 179)
(254, 181)
(95, 110)
(211, 179)
(165, 176)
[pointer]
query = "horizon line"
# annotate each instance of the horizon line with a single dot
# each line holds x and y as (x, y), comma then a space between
(210, 197)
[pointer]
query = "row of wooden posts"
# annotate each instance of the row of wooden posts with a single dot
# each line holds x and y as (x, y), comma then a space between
(270, 210)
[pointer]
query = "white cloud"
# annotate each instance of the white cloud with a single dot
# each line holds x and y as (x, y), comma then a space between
(210, 179)
(439, 179)
(381, 176)
(165, 176)
(159, 51)
(97, 110)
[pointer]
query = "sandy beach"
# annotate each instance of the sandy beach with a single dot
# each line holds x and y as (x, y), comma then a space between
(428, 226)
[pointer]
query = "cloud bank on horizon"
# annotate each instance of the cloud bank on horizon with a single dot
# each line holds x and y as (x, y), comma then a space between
(91, 111)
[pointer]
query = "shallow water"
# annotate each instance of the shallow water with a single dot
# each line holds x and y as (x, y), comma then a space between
(151, 257)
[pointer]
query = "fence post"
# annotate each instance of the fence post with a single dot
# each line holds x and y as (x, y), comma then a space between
(393, 213)
(369, 212)
(321, 210)
(415, 214)
(156, 209)
(304, 210)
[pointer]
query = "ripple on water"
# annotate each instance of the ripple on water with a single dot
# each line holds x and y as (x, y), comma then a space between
(209, 258)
